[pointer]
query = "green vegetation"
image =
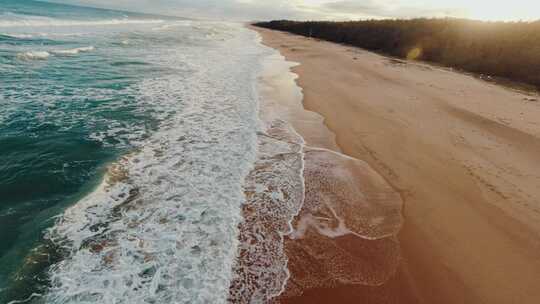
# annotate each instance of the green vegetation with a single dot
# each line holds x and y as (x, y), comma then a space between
(501, 49)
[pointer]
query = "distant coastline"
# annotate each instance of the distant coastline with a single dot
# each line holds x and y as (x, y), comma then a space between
(499, 51)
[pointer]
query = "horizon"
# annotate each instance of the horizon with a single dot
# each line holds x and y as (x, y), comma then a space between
(250, 10)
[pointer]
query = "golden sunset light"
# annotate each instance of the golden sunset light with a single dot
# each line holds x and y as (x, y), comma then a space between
(269, 151)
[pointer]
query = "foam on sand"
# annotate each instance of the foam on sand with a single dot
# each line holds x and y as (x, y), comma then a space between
(274, 195)
(346, 192)
(340, 230)
(223, 201)
(346, 230)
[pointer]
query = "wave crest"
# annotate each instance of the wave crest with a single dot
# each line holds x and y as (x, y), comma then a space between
(74, 51)
(34, 55)
(14, 20)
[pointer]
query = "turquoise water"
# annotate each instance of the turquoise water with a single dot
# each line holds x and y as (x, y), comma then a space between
(63, 116)
(135, 167)
(125, 143)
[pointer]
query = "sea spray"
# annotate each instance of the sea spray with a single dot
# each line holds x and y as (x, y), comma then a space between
(174, 109)
(168, 232)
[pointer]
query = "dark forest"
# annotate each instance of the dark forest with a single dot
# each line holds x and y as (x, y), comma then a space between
(508, 50)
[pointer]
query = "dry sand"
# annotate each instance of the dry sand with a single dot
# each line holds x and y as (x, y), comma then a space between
(463, 154)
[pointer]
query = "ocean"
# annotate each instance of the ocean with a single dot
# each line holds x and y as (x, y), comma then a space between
(130, 145)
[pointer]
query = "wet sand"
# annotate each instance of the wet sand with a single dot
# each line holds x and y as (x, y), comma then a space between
(463, 154)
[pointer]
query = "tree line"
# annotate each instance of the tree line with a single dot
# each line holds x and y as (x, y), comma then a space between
(500, 49)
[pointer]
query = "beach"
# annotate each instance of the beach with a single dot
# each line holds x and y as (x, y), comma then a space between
(130, 142)
(162, 159)
(462, 154)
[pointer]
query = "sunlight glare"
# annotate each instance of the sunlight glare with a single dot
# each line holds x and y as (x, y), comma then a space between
(501, 10)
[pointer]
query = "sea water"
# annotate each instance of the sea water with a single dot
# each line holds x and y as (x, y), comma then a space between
(138, 164)
(130, 145)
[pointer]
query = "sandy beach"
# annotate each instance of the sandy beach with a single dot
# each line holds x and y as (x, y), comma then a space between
(458, 157)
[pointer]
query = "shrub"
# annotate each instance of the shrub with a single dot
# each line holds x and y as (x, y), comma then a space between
(501, 49)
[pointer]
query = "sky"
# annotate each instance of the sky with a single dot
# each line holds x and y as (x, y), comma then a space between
(506, 10)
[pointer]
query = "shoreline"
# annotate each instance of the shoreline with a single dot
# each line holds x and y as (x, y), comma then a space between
(466, 172)
(283, 100)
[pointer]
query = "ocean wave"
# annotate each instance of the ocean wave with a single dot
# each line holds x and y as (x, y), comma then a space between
(168, 26)
(14, 20)
(27, 300)
(164, 226)
(18, 36)
(74, 51)
(127, 63)
(25, 36)
(43, 55)
(34, 55)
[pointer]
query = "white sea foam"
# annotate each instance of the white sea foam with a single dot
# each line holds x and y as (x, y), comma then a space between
(324, 226)
(27, 300)
(171, 25)
(275, 194)
(33, 55)
(330, 197)
(18, 36)
(41, 35)
(11, 20)
(43, 55)
(74, 51)
(164, 228)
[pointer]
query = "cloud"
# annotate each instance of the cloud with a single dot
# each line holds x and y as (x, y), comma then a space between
(214, 9)
(390, 9)
(280, 9)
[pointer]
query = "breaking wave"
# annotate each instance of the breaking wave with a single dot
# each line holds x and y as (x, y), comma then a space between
(74, 51)
(11, 20)
(33, 55)
(163, 226)
(217, 200)
(43, 55)
(17, 36)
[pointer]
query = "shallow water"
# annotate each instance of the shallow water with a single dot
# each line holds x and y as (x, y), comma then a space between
(144, 128)
(342, 230)
(64, 114)
(138, 163)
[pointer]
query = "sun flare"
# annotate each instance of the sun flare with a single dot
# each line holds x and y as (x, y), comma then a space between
(488, 10)
(502, 10)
